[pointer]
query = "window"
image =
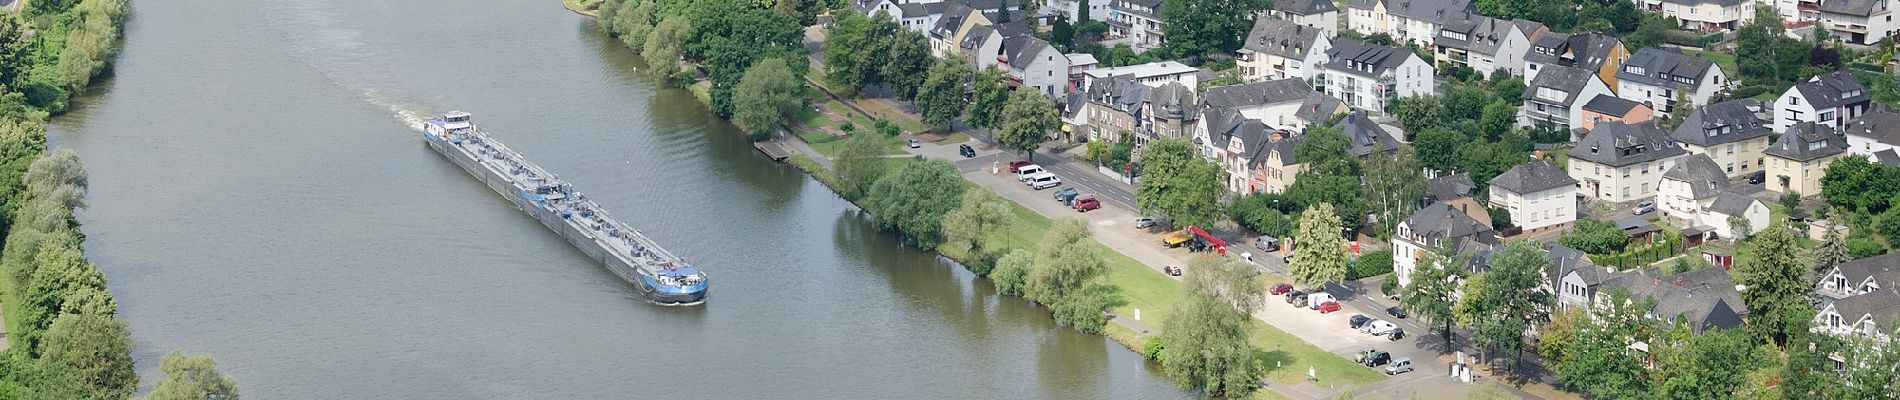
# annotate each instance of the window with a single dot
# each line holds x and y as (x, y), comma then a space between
(1794, 101)
(1626, 172)
(1645, 188)
(1626, 191)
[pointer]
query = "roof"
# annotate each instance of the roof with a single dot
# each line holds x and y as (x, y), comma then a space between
(1857, 271)
(976, 36)
(1365, 58)
(1318, 107)
(1664, 68)
(1022, 51)
(1695, 2)
(1305, 7)
(1145, 70)
(1450, 187)
(950, 21)
(1440, 221)
(1532, 177)
(1568, 81)
(1727, 202)
(1701, 173)
(1616, 144)
(1224, 125)
(1725, 122)
(1706, 298)
(1806, 141)
(1081, 59)
(1564, 260)
(1861, 8)
(1883, 305)
(1258, 93)
(1582, 50)
(1879, 124)
(1119, 92)
(1610, 105)
(1435, 11)
(1887, 157)
(1282, 38)
(1173, 101)
(1483, 35)
(1366, 135)
(1833, 89)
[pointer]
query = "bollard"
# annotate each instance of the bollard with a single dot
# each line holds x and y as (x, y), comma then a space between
(1137, 314)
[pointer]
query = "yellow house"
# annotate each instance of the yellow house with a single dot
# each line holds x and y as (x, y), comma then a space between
(1797, 161)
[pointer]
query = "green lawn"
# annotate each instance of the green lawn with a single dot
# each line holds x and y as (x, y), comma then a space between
(1724, 60)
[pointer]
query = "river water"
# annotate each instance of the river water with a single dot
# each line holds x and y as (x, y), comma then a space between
(256, 194)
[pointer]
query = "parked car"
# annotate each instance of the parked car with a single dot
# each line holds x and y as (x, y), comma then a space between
(1065, 195)
(1024, 172)
(1266, 243)
(1013, 165)
(1084, 203)
(1377, 358)
(1363, 355)
(915, 144)
(1645, 207)
(1358, 320)
(1043, 180)
(1378, 328)
(1396, 312)
(1281, 289)
(1757, 178)
(1297, 298)
(1327, 307)
(1395, 334)
(966, 151)
(1319, 297)
(1171, 270)
(1400, 366)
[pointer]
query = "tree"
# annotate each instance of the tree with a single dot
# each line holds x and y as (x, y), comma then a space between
(1856, 184)
(1178, 183)
(1418, 113)
(1438, 148)
(1206, 336)
(1777, 291)
(914, 198)
(1595, 236)
(941, 97)
(1256, 212)
(908, 63)
(1738, 227)
(663, 49)
(1027, 120)
(1012, 272)
(1684, 108)
(1202, 27)
(192, 377)
(1083, 309)
(1713, 365)
(1809, 372)
(1497, 118)
(1071, 262)
(1558, 338)
(15, 51)
(988, 97)
(97, 348)
(768, 96)
(1758, 45)
(846, 43)
(1650, 31)
(1510, 300)
(1599, 360)
(860, 162)
(1432, 294)
(1870, 371)
(1394, 184)
(1833, 251)
(1319, 257)
(977, 225)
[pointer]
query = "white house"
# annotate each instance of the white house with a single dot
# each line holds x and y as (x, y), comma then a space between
(1876, 132)
(1727, 204)
(1283, 104)
(1415, 21)
(1279, 49)
(1367, 76)
(1139, 21)
(1436, 227)
(1619, 162)
(1732, 133)
(1858, 277)
(1486, 44)
(1555, 100)
(1071, 8)
(1861, 22)
(1704, 15)
(1831, 99)
(1661, 78)
(1688, 188)
(1037, 65)
(1154, 74)
(1540, 196)
(1322, 14)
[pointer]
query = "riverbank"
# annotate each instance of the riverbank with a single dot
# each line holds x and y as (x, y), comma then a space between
(582, 7)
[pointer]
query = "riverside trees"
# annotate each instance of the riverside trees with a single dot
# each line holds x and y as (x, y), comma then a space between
(1178, 183)
(913, 199)
(977, 226)
(768, 95)
(1206, 337)
(192, 377)
(1027, 120)
(723, 37)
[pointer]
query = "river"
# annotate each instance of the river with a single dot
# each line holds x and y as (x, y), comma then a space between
(256, 194)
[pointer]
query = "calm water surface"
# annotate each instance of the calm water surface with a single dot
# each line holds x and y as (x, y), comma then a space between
(257, 195)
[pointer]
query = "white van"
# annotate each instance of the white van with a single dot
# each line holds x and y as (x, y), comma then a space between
(1314, 300)
(1377, 328)
(1024, 172)
(1043, 181)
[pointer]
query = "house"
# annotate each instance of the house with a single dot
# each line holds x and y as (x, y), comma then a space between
(1286, 104)
(1861, 22)
(1661, 78)
(1486, 45)
(1138, 21)
(1733, 133)
(1171, 111)
(1444, 188)
(1154, 74)
(1800, 157)
(1079, 66)
(980, 45)
(1539, 196)
(1116, 109)
(1554, 101)
(1035, 64)
(1257, 158)
(1831, 99)
(1368, 138)
(1704, 299)
(1573, 278)
(1689, 187)
(1620, 162)
(1322, 14)
(1875, 132)
(1873, 314)
(1071, 9)
(1434, 228)
(1728, 204)
(1614, 109)
(1367, 76)
(915, 16)
(1280, 49)
(1858, 277)
(1415, 21)
(1704, 15)
(1597, 52)
(1074, 111)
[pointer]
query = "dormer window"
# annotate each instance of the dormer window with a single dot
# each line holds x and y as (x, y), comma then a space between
(1634, 69)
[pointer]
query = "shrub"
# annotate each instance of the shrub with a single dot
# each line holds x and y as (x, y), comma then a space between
(1863, 248)
(1155, 348)
(1389, 287)
(1372, 263)
(1012, 272)
(886, 127)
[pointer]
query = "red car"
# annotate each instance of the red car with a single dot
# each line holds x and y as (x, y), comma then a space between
(1328, 307)
(1018, 163)
(1281, 289)
(1086, 202)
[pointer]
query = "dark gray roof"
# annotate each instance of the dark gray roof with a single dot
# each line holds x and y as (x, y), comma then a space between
(1532, 177)
(1880, 124)
(1483, 35)
(1450, 187)
(1618, 144)
(1664, 68)
(1366, 135)
(1695, 2)
(1435, 11)
(1318, 107)
(1706, 299)
(1258, 93)
(1570, 81)
(1363, 58)
(976, 36)
(1725, 122)
(951, 20)
(1701, 173)
(1022, 50)
(1883, 305)
(1806, 141)
(1887, 157)
(1305, 7)
(1610, 105)
(1583, 50)
(1857, 271)
(1727, 202)
(1225, 124)
(1282, 38)
(1173, 101)
(1833, 89)
(1861, 8)
(1440, 221)
(1120, 93)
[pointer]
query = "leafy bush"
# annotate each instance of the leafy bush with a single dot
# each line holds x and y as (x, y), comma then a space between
(1389, 287)
(1864, 247)
(1748, 92)
(1155, 348)
(1012, 272)
(1257, 213)
(1372, 263)
(886, 127)
(1595, 236)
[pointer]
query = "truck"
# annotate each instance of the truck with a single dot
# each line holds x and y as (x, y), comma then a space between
(1176, 238)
